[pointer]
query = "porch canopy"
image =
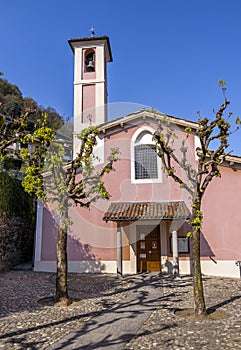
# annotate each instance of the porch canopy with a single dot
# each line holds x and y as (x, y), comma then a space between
(119, 211)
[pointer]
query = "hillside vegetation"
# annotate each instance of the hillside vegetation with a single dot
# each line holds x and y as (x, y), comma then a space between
(12, 104)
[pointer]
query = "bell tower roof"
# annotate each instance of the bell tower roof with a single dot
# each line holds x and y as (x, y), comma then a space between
(92, 40)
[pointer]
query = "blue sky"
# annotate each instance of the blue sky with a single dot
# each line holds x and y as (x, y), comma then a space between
(166, 54)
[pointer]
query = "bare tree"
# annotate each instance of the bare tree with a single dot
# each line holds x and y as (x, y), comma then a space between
(79, 182)
(196, 180)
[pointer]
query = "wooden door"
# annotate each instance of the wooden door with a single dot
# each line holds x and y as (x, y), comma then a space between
(148, 248)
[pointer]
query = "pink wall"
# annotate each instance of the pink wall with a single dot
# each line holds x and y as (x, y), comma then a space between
(88, 107)
(90, 238)
(49, 235)
(119, 182)
(222, 215)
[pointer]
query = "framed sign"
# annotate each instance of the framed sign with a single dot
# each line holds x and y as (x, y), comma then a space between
(183, 245)
(142, 245)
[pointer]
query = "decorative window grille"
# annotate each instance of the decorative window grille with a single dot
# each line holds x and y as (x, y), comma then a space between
(145, 162)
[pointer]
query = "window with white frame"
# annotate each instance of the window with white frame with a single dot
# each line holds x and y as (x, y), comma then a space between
(145, 162)
(146, 165)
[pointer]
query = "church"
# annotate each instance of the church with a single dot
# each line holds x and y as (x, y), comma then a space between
(144, 225)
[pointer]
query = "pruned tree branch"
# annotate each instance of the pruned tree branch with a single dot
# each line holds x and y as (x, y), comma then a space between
(198, 177)
(167, 155)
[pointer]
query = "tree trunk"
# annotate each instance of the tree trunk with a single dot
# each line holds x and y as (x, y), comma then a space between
(199, 302)
(62, 264)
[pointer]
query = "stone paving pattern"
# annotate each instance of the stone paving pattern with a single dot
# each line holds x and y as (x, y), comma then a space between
(26, 324)
(115, 327)
(163, 330)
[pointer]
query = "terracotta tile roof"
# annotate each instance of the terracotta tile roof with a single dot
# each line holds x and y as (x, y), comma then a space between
(118, 211)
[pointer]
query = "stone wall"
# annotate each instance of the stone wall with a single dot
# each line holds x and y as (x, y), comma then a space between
(16, 223)
(16, 243)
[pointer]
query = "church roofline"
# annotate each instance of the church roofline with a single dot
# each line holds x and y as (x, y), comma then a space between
(145, 114)
(92, 38)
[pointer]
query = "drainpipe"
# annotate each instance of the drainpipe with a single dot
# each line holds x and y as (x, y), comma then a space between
(119, 250)
(175, 270)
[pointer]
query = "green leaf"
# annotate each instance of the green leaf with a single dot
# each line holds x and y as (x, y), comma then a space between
(221, 82)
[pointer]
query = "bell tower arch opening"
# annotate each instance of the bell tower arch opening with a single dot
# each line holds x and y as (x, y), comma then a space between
(89, 59)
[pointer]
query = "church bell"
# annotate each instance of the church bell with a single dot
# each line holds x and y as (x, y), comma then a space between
(90, 66)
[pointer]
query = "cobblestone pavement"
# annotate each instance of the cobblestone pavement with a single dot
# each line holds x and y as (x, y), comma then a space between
(163, 330)
(26, 324)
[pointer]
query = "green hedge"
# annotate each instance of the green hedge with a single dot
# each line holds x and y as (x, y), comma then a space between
(14, 202)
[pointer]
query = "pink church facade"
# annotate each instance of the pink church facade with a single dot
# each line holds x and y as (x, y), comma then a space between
(144, 225)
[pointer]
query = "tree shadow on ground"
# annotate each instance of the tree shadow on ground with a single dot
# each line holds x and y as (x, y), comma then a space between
(116, 324)
(223, 303)
(122, 314)
(21, 290)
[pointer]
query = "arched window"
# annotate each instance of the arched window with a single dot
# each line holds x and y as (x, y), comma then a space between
(145, 157)
(90, 61)
(146, 165)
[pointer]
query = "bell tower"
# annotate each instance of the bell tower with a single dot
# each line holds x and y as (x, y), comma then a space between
(91, 56)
